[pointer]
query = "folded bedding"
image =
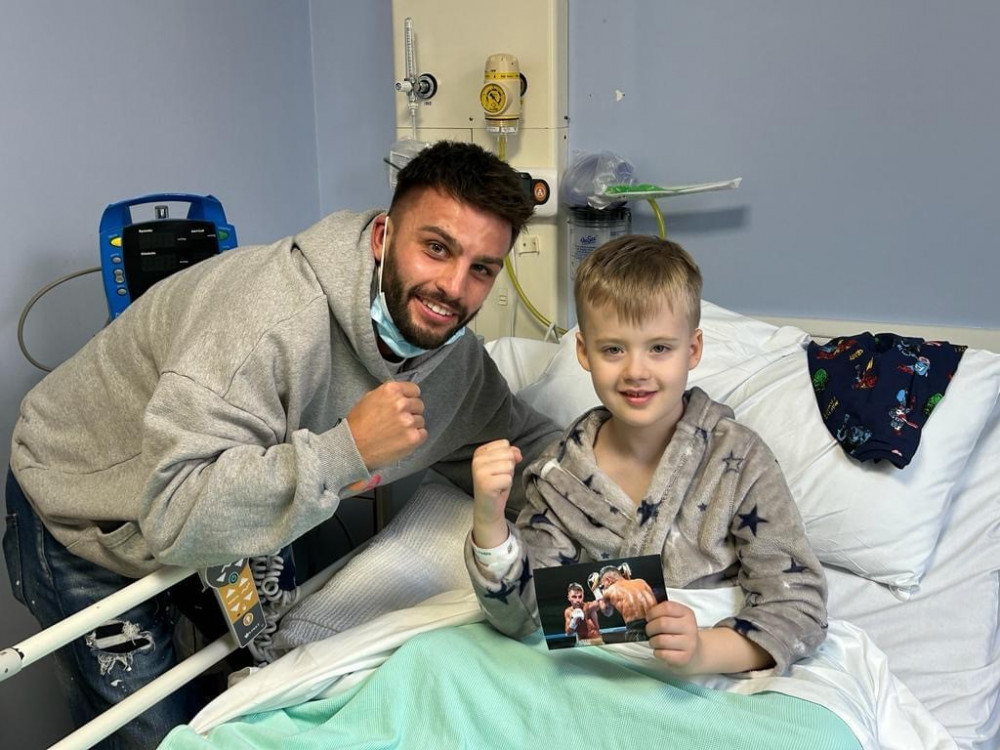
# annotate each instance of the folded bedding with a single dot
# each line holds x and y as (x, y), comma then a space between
(470, 686)
(454, 678)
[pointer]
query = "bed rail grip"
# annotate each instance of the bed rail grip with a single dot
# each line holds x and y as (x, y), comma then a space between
(148, 695)
(30, 650)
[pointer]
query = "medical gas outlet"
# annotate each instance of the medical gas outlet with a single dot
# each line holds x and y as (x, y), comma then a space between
(500, 96)
(417, 87)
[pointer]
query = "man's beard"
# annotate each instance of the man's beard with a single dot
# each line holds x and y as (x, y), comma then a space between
(396, 299)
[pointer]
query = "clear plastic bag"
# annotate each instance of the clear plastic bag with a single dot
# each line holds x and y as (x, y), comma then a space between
(588, 176)
(400, 154)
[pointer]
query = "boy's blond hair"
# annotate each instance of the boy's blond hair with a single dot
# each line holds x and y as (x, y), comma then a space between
(634, 274)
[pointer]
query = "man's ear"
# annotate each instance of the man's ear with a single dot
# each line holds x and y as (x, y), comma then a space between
(380, 229)
(581, 352)
(697, 347)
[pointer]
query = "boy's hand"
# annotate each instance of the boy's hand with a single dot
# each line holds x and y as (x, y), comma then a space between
(492, 478)
(673, 634)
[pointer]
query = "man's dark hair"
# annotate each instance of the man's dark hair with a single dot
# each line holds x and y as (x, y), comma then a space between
(469, 174)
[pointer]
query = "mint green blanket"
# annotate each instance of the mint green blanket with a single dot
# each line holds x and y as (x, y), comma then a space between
(470, 687)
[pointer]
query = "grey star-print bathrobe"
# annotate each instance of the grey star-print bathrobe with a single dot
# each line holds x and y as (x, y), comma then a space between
(718, 512)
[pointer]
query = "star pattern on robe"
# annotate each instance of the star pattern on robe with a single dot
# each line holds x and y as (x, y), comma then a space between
(648, 510)
(539, 518)
(732, 463)
(589, 484)
(702, 433)
(562, 451)
(742, 626)
(750, 520)
(702, 507)
(576, 435)
(605, 555)
(525, 574)
(795, 567)
(566, 560)
(501, 593)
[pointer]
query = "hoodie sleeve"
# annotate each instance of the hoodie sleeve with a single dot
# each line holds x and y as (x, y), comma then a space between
(223, 484)
(785, 611)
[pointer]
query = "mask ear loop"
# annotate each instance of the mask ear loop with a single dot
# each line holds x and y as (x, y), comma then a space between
(385, 253)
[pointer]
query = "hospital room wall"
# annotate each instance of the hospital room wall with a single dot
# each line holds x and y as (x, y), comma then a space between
(112, 99)
(865, 133)
(355, 99)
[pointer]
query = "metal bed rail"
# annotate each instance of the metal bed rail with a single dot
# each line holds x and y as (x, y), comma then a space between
(30, 650)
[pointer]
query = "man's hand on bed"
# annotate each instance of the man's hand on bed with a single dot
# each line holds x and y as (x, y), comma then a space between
(493, 467)
(676, 639)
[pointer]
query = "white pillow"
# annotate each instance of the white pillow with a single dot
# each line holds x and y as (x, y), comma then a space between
(521, 361)
(735, 348)
(874, 520)
(871, 519)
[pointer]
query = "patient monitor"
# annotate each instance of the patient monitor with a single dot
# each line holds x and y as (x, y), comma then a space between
(134, 256)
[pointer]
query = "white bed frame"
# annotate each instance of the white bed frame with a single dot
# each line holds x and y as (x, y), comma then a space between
(818, 328)
(30, 650)
(15, 658)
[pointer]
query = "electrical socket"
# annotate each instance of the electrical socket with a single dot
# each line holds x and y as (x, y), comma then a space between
(527, 244)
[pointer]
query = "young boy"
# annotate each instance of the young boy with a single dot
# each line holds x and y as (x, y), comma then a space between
(658, 469)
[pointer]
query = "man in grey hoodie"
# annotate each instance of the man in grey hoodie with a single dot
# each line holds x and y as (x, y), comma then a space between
(229, 409)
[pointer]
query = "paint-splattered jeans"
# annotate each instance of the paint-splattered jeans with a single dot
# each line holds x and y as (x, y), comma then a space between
(115, 659)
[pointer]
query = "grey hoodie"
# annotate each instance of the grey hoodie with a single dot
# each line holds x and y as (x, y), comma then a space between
(205, 424)
(717, 511)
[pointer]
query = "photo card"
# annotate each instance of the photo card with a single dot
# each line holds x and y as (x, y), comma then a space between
(593, 603)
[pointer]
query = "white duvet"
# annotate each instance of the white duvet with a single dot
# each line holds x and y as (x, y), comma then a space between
(848, 675)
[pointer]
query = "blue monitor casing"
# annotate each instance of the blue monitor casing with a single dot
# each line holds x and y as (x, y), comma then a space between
(134, 256)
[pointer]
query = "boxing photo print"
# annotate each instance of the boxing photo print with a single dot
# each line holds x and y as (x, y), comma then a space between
(590, 604)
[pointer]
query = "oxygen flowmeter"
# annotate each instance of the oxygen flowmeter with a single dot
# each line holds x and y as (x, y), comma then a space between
(134, 256)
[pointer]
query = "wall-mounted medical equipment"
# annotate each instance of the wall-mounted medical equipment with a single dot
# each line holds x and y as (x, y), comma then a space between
(596, 188)
(418, 87)
(500, 97)
(589, 228)
(134, 256)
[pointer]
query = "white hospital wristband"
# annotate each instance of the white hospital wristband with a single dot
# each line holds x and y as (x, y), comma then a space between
(495, 561)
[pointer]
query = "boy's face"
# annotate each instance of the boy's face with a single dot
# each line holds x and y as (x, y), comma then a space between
(639, 371)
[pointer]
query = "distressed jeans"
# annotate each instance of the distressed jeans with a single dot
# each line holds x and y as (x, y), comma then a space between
(118, 657)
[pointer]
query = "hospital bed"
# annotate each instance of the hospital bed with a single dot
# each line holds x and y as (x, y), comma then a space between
(912, 659)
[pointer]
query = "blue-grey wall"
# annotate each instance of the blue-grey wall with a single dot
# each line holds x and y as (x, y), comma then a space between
(355, 101)
(111, 99)
(865, 133)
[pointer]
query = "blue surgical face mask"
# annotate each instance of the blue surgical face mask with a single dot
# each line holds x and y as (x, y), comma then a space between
(386, 327)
